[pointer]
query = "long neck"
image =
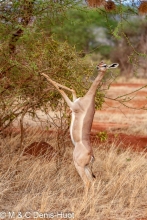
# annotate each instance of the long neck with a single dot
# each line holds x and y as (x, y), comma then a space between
(95, 84)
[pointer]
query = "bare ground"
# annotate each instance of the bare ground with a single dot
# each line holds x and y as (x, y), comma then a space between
(128, 118)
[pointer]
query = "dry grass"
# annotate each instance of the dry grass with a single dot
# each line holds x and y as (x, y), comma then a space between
(30, 184)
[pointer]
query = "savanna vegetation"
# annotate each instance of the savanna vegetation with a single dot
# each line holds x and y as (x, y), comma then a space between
(66, 39)
(35, 186)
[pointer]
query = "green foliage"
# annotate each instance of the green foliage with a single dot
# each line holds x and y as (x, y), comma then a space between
(99, 100)
(131, 41)
(78, 28)
(30, 49)
(27, 51)
(21, 86)
(105, 50)
(116, 32)
(102, 135)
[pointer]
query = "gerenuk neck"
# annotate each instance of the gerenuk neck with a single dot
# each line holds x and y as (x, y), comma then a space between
(95, 84)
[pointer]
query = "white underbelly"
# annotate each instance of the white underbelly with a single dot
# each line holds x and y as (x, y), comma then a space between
(71, 124)
(71, 127)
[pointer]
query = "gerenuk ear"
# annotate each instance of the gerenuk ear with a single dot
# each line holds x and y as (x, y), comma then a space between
(113, 65)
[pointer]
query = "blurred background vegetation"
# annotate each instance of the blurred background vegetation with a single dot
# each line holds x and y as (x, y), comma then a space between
(65, 39)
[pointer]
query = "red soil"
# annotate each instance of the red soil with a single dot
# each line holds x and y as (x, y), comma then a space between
(39, 149)
(137, 143)
(109, 109)
(98, 126)
(112, 107)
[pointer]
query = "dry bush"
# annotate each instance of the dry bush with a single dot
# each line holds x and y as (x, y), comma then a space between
(30, 184)
(96, 3)
(110, 6)
(24, 91)
(143, 7)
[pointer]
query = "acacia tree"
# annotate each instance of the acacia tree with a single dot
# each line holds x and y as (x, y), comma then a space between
(129, 33)
(16, 15)
(28, 49)
(80, 27)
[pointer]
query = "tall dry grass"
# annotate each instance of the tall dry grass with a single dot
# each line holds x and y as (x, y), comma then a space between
(33, 184)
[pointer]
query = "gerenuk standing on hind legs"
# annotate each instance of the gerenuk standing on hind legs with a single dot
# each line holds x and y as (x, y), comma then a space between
(83, 110)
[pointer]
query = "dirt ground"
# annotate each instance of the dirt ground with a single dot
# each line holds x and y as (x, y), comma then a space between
(124, 117)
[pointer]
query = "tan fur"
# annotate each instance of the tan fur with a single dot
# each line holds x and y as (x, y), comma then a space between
(83, 110)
